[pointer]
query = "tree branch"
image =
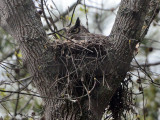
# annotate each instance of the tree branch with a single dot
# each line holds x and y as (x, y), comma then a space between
(46, 66)
(154, 8)
(130, 18)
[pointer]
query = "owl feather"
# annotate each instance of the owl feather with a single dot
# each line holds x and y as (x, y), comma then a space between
(78, 33)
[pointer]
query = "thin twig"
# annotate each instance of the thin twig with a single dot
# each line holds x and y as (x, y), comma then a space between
(20, 111)
(45, 17)
(78, 1)
(17, 102)
(86, 14)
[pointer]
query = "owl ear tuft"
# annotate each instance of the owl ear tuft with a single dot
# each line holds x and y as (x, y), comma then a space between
(77, 24)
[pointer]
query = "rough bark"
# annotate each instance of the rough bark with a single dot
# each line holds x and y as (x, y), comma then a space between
(20, 19)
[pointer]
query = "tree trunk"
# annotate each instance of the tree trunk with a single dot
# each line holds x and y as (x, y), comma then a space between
(20, 19)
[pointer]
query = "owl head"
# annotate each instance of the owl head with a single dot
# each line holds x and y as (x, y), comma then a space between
(76, 30)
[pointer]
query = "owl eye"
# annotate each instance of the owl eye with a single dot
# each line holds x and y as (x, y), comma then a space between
(76, 30)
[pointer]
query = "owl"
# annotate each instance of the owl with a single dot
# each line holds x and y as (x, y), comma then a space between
(79, 34)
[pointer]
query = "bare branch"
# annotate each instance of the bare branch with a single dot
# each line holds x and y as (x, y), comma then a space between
(130, 18)
(154, 8)
(65, 13)
(94, 7)
(149, 64)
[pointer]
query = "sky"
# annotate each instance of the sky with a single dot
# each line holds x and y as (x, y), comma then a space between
(66, 3)
(63, 5)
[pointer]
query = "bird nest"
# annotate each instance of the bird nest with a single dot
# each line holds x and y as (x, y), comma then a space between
(79, 66)
(85, 56)
(81, 69)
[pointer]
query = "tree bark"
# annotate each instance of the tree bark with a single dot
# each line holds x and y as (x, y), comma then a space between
(20, 19)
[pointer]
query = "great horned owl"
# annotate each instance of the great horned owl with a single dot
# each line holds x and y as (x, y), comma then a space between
(78, 33)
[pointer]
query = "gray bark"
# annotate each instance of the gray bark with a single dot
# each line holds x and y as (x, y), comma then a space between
(20, 19)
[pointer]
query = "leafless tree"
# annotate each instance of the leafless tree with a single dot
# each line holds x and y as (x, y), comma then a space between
(77, 81)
